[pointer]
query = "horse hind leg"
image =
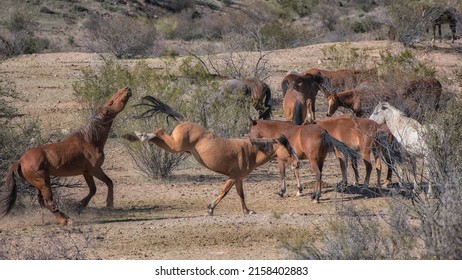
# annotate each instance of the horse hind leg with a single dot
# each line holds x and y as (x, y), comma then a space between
(224, 190)
(316, 166)
(45, 196)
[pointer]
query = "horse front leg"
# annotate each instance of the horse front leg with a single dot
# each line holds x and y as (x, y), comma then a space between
(224, 190)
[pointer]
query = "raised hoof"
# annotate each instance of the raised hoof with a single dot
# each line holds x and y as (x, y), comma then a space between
(281, 194)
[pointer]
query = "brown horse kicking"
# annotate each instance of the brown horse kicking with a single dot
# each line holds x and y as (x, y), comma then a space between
(359, 134)
(309, 142)
(235, 158)
(82, 153)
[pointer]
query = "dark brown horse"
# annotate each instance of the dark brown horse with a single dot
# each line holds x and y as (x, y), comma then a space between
(307, 85)
(439, 16)
(235, 158)
(309, 142)
(259, 91)
(359, 134)
(341, 80)
(422, 95)
(82, 153)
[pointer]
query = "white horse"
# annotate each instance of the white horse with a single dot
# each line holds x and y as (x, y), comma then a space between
(407, 131)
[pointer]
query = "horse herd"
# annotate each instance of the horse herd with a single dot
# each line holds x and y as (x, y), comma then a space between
(301, 137)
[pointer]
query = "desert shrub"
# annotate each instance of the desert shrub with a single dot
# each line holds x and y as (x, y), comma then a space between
(189, 89)
(120, 35)
(17, 37)
(302, 8)
(406, 21)
(358, 234)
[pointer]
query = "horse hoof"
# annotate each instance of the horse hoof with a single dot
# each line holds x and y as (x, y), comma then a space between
(299, 194)
(251, 212)
(281, 194)
(315, 201)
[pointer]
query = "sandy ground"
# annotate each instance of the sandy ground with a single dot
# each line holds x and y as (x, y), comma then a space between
(167, 219)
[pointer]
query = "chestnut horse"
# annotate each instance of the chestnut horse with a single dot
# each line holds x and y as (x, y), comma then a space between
(81, 153)
(309, 142)
(360, 134)
(235, 158)
(307, 86)
(295, 107)
(349, 99)
(259, 91)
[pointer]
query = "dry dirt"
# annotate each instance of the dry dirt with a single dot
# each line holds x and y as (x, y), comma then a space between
(166, 219)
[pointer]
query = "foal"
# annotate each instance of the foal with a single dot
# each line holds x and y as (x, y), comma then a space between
(235, 158)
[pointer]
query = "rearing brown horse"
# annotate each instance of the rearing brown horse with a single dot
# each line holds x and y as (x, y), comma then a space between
(82, 153)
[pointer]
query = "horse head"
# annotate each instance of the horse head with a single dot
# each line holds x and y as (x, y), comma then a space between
(381, 112)
(332, 103)
(116, 103)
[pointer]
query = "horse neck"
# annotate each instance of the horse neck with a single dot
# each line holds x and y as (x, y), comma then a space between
(96, 131)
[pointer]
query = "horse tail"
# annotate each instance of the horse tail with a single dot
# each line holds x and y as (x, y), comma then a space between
(268, 103)
(8, 196)
(158, 106)
(339, 146)
(298, 113)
